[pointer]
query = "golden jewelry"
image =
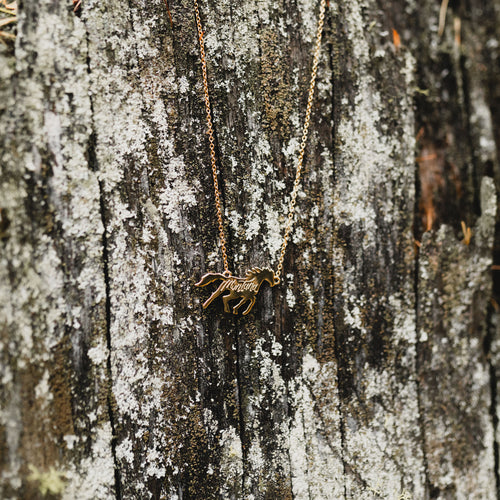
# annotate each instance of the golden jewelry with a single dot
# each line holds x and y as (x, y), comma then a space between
(246, 288)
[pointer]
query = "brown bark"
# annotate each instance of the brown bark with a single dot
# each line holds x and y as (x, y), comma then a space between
(369, 372)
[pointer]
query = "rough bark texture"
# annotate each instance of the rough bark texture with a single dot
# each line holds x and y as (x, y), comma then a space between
(370, 372)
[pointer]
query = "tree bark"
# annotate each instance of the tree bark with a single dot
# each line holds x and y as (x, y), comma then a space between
(370, 371)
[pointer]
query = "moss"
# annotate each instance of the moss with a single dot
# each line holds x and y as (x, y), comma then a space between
(275, 80)
(50, 483)
(60, 388)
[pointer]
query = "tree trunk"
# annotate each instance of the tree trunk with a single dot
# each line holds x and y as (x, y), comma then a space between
(370, 371)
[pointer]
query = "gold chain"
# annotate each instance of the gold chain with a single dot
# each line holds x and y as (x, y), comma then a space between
(211, 139)
(210, 132)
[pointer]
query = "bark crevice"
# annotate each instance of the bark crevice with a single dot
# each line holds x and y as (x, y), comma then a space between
(334, 71)
(488, 341)
(94, 166)
(118, 489)
(417, 236)
(241, 416)
(494, 418)
(341, 420)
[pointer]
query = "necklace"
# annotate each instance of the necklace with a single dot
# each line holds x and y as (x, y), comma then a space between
(246, 288)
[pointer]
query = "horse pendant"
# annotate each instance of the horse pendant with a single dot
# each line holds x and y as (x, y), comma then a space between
(245, 289)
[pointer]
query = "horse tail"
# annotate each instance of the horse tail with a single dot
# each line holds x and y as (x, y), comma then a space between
(210, 278)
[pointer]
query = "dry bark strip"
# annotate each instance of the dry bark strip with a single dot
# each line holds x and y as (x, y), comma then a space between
(369, 373)
(54, 418)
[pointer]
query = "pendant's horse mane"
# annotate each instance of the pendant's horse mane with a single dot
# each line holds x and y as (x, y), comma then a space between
(253, 273)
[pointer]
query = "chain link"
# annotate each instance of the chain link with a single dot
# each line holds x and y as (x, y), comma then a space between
(307, 120)
(300, 159)
(210, 132)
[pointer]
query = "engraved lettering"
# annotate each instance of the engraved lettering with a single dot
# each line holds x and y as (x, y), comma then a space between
(245, 289)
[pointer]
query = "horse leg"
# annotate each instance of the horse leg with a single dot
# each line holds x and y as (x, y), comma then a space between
(226, 299)
(252, 302)
(238, 305)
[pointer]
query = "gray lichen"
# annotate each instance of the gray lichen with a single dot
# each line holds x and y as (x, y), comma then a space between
(363, 374)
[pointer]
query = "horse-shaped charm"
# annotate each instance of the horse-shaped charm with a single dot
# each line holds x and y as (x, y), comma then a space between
(245, 289)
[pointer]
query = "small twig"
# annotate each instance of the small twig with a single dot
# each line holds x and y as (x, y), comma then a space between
(11, 10)
(429, 157)
(396, 39)
(467, 231)
(457, 27)
(4, 34)
(442, 17)
(7, 20)
(169, 14)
